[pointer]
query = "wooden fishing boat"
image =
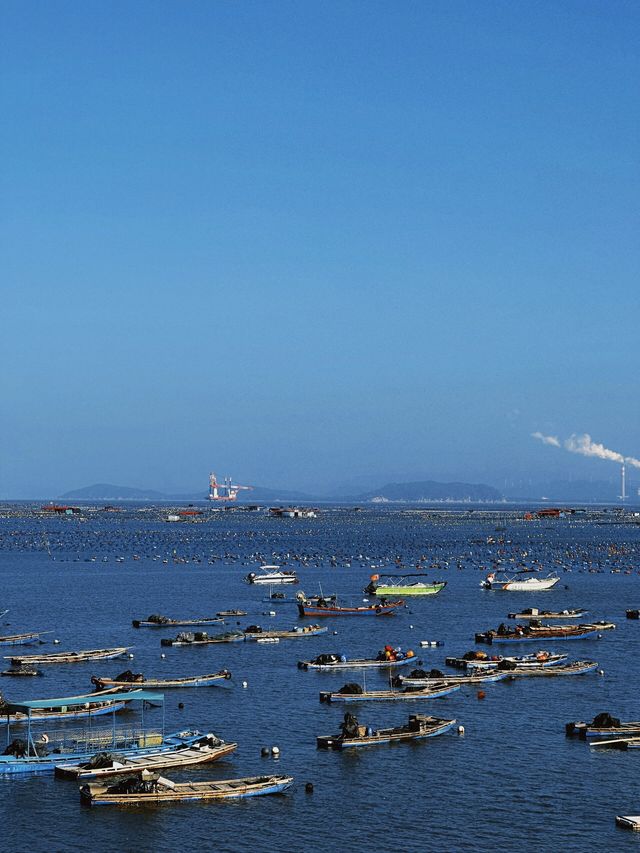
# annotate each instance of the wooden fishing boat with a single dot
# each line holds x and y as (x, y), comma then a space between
(414, 680)
(628, 822)
(254, 632)
(21, 639)
(21, 671)
(155, 789)
(206, 749)
(271, 575)
(337, 663)
(73, 744)
(224, 613)
(162, 683)
(578, 667)
(535, 613)
(354, 735)
(404, 695)
(67, 657)
(603, 725)
(201, 638)
(156, 621)
(529, 634)
(325, 609)
(522, 581)
(536, 660)
(624, 742)
(403, 585)
(283, 598)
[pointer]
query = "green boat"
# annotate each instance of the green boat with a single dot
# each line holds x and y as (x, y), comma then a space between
(403, 585)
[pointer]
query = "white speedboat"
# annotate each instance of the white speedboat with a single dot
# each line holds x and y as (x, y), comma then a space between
(271, 575)
(519, 582)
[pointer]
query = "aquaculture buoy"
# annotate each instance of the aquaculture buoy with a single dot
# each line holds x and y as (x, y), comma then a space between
(275, 751)
(264, 752)
(411, 626)
(181, 705)
(56, 642)
(163, 656)
(601, 672)
(245, 684)
(130, 657)
(481, 694)
(460, 730)
(309, 788)
(335, 633)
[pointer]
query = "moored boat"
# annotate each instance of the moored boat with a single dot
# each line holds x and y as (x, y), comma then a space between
(255, 632)
(403, 585)
(355, 693)
(420, 678)
(272, 575)
(152, 789)
(531, 634)
(577, 667)
(67, 657)
(205, 749)
(14, 713)
(223, 613)
(481, 661)
(21, 639)
(534, 613)
(603, 725)
(127, 680)
(352, 734)
(335, 662)
(322, 608)
(517, 582)
(159, 621)
(201, 638)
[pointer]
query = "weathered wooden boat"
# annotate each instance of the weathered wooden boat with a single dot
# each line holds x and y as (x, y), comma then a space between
(603, 725)
(271, 575)
(632, 614)
(21, 639)
(352, 734)
(535, 613)
(67, 657)
(522, 581)
(355, 693)
(624, 742)
(283, 598)
(223, 613)
(204, 750)
(201, 638)
(255, 632)
(152, 789)
(420, 678)
(530, 634)
(536, 660)
(382, 608)
(158, 621)
(160, 683)
(70, 743)
(628, 822)
(578, 667)
(403, 585)
(335, 662)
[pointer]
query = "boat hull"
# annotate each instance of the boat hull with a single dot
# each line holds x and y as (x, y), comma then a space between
(389, 695)
(411, 589)
(372, 610)
(339, 666)
(383, 736)
(527, 638)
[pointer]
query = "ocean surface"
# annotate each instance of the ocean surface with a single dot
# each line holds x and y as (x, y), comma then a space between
(512, 781)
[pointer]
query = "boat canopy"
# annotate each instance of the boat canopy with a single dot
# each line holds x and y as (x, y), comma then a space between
(414, 575)
(130, 696)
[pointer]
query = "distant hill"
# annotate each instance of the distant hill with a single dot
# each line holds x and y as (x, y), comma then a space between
(109, 492)
(430, 490)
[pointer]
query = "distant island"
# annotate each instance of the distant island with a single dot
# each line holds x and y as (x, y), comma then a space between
(425, 491)
(110, 492)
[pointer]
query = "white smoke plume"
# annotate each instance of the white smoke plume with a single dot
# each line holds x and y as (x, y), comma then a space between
(585, 446)
(546, 439)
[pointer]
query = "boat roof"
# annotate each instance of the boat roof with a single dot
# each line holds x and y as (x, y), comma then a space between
(33, 704)
(410, 575)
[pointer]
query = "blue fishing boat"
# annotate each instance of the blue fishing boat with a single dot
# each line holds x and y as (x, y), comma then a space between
(30, 754)
(21, 639)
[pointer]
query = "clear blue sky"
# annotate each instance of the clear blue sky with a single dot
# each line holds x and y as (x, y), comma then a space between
(300, 242)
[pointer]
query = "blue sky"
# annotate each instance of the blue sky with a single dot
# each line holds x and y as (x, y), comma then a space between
(305, 242)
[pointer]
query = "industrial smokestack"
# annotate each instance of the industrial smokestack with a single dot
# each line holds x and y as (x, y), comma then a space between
(623, 495)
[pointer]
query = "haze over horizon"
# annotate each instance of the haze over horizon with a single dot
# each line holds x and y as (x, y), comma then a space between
(306, 244)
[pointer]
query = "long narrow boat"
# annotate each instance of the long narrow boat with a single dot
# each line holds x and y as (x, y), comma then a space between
(72, 744)
(403, 585)
(536, 660)
(162, 683)
(418, 728)
(337, 663)
(380, 609)
(165, 622)
(433, 692)
(293, 634)
(67, 657)
(154, 790)
(64, 713)
(577, 667)
(283, 598)
(202, 639)
(603, 725)
(628, 822)
(529, 635)
(413, 680)
(227, 613)
(206, 749)
(272, 575)
(21, 639)
(535, 613)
